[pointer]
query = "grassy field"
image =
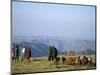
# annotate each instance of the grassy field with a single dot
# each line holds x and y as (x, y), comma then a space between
(41, 64)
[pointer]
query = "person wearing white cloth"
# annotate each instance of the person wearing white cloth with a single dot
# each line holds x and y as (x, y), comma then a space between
(22, 55)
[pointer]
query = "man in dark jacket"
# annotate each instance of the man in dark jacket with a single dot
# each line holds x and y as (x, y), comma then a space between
(18, 52)
(55, 53)
(50, 52)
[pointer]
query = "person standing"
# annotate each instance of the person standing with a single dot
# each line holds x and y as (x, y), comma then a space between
(50, 52)
(12, 53)
(22, 55)
(17, 53)
(55, 52)
(28, 55)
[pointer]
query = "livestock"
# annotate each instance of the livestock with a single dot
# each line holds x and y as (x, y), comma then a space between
(71, 60)
(78, 60)
(90, 60)
(84, 60)
(63, 60)
(56, 61)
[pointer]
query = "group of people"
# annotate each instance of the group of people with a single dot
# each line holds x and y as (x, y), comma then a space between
(21, 53)
(53, 52)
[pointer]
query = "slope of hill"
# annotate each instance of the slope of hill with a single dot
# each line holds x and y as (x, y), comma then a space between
(38, 49)
(39, 46)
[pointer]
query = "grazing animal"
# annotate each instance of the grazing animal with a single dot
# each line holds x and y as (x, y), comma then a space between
(63, 60)
(90, 60)
(84, 60)
(57, 59)
(71, 60)
(78, 60)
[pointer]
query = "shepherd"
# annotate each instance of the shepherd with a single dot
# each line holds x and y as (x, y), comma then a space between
(50, 52)
(22, 55)
(28, 55)
(15, 54)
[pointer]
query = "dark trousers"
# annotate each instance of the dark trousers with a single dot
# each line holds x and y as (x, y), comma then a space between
(50, 58)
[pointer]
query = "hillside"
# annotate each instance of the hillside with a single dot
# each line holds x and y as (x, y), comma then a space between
(39, 46)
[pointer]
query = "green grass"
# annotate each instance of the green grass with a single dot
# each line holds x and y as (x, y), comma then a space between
(41, 64)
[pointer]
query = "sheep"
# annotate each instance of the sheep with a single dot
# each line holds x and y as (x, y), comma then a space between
(78, 60)
(57, 59)
(90, 60)
(84, 60)
(63, 60)
(71, 60)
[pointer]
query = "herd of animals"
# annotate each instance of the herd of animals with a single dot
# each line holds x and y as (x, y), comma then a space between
(74, 60)
(70, 60)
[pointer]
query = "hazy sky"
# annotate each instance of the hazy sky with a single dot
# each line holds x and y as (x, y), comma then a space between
(40, 19)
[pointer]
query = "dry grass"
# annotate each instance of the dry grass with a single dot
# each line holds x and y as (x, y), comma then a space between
(41, 64)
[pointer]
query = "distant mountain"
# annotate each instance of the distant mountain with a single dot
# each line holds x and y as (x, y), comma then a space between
(87, 52)
(39, 46)
(38, 49)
